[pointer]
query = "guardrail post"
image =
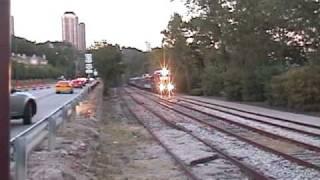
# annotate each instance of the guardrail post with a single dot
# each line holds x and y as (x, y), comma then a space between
(20, 147)
(52, 127)
(73, 113)
(63, 118)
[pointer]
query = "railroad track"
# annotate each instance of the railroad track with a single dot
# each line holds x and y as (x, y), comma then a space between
(257, 117)
(300, 153)
(217, 163)
(310, 140)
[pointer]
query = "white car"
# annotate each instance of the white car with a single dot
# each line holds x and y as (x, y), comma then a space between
(22, 105)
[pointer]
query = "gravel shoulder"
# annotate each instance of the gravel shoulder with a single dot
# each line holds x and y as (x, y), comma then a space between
(128, 151)
(76, 143)
(102, 141)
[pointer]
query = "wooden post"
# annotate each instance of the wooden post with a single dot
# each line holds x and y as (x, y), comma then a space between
(4, 88)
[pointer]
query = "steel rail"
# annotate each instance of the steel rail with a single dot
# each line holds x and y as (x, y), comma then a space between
(182, 165)
(253, 113)
(286, 156)
(254, 174)
(308, 146)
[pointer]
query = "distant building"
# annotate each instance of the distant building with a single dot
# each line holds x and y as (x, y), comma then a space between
(70, 28)
(11, 26)
(33, 60)
(82, 37)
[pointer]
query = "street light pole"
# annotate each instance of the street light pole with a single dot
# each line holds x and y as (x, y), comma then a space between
(4, 87)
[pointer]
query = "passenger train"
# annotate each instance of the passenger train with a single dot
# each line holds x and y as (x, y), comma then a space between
(159, 82)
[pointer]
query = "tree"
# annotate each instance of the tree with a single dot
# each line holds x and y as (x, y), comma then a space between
(238, 46)
(182, 61)
(135, 61)
(108, 62)
(60, 55)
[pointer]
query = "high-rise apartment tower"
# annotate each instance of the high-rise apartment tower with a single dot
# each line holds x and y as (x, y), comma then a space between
(82, 37)
(70, 27)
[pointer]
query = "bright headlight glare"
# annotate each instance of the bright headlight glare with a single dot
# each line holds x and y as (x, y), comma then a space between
(164, 72)
(170, 86)
(162, 87)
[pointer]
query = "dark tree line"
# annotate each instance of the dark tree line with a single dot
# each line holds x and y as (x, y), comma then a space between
(25, 72)
(249, 50)
(62, 59)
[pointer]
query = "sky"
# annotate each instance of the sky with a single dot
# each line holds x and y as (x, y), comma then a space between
(125, 22)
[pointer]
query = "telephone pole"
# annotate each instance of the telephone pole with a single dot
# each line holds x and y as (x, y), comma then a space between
(4, 87)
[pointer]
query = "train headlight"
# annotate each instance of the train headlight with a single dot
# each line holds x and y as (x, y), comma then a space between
(170, 87)
(164, 72)
(162, 87)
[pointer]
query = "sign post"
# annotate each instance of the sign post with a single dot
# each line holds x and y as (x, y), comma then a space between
(89, 65)
(4, 87)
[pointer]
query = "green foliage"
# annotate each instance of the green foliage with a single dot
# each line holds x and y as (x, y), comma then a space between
(212, 81)
(135, 61)
(278, 92)
(23, 46)
(180, 82)
(24, 72)
(108, 61)
(196, 92)
(60, 55)
(264, 75)
(155, 59)
(182, 58)
(298, 88)
(232, 84)
(252, 88)
(256, 82)
(240, 47)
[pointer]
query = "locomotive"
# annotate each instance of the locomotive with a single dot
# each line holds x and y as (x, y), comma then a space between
(159, 82)
(162, 82)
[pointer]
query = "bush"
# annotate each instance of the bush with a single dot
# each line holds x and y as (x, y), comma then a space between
(212, 81)
(277, 91)
(232, 84)
(256, 83)
(196, 92)
(23, 72)
(252, 89)
(298, 88)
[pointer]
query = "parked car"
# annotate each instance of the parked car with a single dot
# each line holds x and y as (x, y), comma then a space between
(83, 80)
(91, 79)
(77, 83)
(22, 105)
(64, 87)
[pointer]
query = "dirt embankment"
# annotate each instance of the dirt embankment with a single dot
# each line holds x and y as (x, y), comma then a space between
(76, 144)
(103, 142)
(127, 150)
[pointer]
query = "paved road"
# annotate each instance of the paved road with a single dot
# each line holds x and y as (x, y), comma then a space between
(42, 92)
(47, 102)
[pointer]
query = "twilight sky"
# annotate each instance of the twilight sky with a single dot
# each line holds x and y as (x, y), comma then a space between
(125, 22)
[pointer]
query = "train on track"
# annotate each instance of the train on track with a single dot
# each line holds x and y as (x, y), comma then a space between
(160, 82)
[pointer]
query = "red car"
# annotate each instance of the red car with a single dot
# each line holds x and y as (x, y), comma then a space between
(76, 83)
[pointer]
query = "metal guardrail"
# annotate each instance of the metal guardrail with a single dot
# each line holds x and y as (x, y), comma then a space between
(26, 141)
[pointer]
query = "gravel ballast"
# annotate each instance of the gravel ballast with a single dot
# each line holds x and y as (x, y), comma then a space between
(268, 163)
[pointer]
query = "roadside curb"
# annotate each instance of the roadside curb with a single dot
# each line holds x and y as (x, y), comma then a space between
(33, 88)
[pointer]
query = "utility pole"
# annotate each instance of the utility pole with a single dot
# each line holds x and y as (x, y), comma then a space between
(148, 46)
(4, 87)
